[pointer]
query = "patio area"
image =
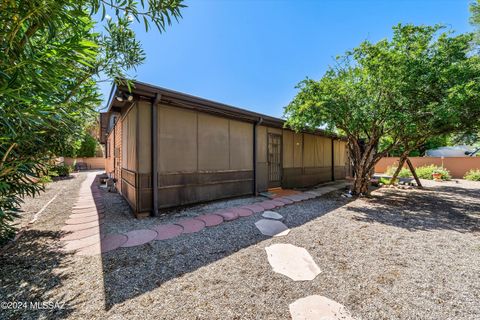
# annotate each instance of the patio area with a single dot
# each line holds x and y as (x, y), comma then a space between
(401, 254)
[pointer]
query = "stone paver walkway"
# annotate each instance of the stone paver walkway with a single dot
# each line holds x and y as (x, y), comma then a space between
(83, 233)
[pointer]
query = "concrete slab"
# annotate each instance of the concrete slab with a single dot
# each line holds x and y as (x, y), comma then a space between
(272, 228)
(317, 307)
(292, 261)
(272, 215)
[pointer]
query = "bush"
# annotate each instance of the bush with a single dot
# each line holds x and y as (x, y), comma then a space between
(473, 175)
(61, 170)
(425, 172)
(404, 173)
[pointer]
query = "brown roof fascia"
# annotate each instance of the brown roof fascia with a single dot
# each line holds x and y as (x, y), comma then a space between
(175, 98)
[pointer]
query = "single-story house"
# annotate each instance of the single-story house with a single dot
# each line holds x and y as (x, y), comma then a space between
(167, 148)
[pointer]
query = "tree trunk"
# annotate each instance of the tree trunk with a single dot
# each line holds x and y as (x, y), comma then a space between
(401, 161)
(412, 169)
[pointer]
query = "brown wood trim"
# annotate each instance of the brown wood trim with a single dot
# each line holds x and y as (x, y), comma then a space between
(204, 183)
(154, 152)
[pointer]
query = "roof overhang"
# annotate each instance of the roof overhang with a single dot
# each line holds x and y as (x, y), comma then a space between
(144, 91)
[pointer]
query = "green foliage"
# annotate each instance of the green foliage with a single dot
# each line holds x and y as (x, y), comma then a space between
(60, 170)
(88, 146)
(394, 94)
(404, 173)
(51, 58)
(426, 172)
(473, 175)
(386, 181)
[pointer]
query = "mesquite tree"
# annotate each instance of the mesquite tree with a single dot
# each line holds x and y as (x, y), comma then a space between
(393, 93)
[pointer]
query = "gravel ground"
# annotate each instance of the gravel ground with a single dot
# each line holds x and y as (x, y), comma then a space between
(401, 254)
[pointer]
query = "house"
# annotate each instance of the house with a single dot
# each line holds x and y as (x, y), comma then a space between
(167, 148)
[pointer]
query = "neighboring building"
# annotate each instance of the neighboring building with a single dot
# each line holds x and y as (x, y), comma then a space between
(455, 151)
(201, 150)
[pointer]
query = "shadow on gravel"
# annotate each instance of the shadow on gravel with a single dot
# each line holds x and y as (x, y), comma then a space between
(27, 276)
(435, 208)
(131, 272)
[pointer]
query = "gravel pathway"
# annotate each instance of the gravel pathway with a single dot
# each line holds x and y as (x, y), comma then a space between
(403, 254)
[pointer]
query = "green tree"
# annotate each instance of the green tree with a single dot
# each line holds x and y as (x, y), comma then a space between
(393, 94)
(50, 61)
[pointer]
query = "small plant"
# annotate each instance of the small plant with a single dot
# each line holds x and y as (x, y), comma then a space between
(404, 173)
(427, 172)
(62, 170)
(473, 175)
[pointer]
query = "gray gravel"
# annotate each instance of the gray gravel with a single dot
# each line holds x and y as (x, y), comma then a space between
(402, 254)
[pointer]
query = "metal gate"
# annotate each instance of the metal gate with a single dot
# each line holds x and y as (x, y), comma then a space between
(274, 160)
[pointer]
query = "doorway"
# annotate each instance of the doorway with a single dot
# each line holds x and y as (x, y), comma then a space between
(274, 160)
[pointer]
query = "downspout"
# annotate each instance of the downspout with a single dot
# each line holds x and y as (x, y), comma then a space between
(154, 148)
(255, 125)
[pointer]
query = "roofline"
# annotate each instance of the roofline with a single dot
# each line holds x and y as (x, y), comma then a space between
(171, 97)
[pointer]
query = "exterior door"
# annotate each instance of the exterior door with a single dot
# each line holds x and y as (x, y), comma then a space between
(274, 160)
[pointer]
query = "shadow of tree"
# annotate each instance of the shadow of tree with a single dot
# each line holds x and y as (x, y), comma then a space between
(130, 272)
(434, 208)
(28, 275)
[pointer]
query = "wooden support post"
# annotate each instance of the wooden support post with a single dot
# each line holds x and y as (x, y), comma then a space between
(412, 169)
(154, 149)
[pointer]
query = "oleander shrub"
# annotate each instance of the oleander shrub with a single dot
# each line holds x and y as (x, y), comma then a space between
(473, 175)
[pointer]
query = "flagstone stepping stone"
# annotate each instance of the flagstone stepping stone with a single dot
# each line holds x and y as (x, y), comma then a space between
(267, 205)
(242, 212)
(227, 215)
(81, 243)
(210, 220)
(191, 225)
(277, 203)
(295, 198)
(272, 215)
(139, 237)
(292, 261)
(108, 243)
(318, 307)
(84, 219)
(75, 235)
(83, 226)
(112, 241)
(272, 228)
(255, 208)
(284, 200)
(167, 231)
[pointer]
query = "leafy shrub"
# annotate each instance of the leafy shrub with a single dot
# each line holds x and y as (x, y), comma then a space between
(426, 172)
(61, 170)
(473, 175)
(404, 173)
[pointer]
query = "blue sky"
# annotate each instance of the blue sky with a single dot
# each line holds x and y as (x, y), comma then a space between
(251, 54)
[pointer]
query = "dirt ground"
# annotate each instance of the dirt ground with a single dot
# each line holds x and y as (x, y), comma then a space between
(401, 254)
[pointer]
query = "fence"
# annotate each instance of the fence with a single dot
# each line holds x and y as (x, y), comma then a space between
(457, 166)
(91, 163)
